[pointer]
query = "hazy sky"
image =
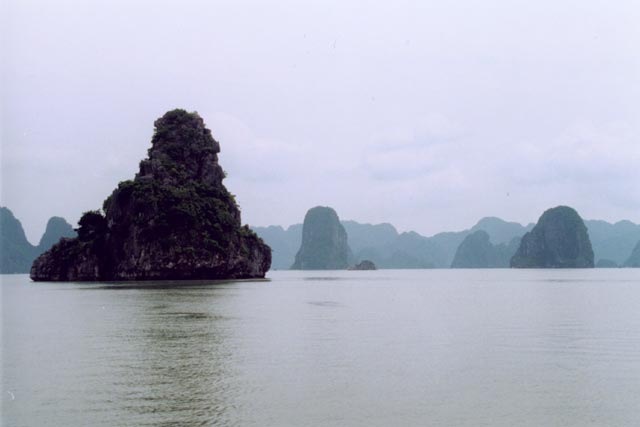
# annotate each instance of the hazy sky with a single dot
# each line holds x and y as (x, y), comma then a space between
(425, 114)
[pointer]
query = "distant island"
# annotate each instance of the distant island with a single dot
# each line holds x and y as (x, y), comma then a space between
(382, 244)
(324, 242)
(364, 265)
(17, 254)
(477, 251)
(174, 220)
(490, 243)
(559, 240)
(387, 248)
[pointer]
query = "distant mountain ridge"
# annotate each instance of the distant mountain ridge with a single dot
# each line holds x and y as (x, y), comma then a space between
(16, 252)
(613, 241)
(380, 243)
(387, 248)
(477, 251)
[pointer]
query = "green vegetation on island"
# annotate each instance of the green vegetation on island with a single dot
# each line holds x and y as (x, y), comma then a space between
(174, 220)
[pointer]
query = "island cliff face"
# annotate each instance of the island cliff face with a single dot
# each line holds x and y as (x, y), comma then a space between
(559, 240)
(324, 242)
(175, 220)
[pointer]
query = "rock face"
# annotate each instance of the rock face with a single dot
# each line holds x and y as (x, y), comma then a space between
(477, 251)
(16, 253)
(57, 228)
(324, 242)
(175, 220)
(634, 258)
(559, 240)
(364, 265)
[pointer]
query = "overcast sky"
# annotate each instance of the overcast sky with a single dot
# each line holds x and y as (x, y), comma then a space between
(425, 114)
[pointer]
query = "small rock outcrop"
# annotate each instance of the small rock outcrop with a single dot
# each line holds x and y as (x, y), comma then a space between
(57, 228)
(324, 242)
(477, 251)
(559, 240)
(364, 265)
(634, 258)
(175, 220)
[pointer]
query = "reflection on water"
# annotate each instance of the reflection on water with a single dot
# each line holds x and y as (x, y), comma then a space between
(430, 347)
(169, 284)
(174, 369)
(324, 303)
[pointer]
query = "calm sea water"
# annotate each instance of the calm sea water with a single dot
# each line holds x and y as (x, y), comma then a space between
(347, 348)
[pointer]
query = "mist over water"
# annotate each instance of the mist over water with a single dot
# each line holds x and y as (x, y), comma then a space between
(388, 347)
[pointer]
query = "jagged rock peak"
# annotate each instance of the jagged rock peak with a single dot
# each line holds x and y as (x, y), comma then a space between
(182, 148)
(175, 220)
(559, 240)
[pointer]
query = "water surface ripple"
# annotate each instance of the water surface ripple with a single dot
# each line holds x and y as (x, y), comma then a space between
(357, 348)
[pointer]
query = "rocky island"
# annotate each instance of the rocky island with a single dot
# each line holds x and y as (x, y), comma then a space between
(174, 220)
(324, 242)
(559, 240)
(16, 252)
(364, 265)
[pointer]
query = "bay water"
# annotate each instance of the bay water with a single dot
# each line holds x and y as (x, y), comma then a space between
(326, 348)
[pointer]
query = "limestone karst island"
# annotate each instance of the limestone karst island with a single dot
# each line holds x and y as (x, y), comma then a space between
(324, 242)
(174, 220)
(559, 240)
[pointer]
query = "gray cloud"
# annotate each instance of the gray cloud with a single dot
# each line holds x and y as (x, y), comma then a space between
(428, 115)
